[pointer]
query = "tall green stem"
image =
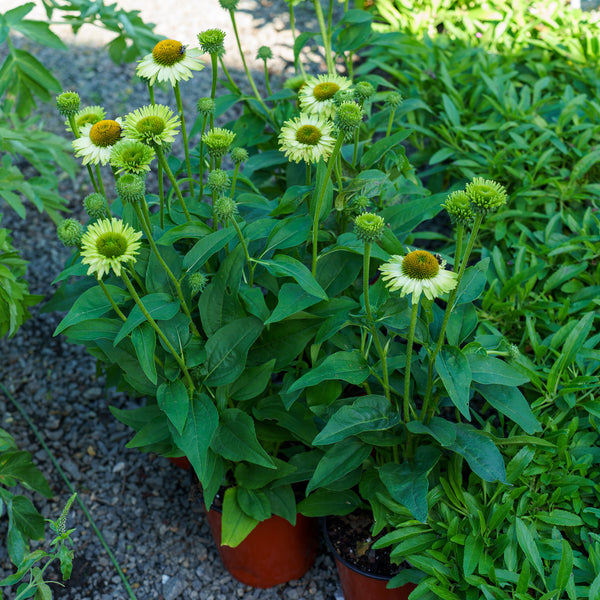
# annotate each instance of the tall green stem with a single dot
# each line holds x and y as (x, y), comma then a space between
(325, 36)
(245, 247)
(390, 121)
(371, 322)
(236, 170)
(186, 149)
(99, 179)
(111, 300)
(167, 169)
(409, 346)
(297, 61)
(158, 330)
(315, 232)
(214, 62)
(427, 409)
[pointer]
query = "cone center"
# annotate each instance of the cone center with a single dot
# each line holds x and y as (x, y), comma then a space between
(111, 245)
(325, 90)
(168, 52)
(105, 133)
(308, 134)
(420, 264)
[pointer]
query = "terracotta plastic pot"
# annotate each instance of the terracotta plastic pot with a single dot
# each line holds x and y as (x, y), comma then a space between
(358, 585)
(180, 461)
(275, 551)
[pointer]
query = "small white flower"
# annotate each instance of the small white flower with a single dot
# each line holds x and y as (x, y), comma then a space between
(308, 138)
(96, 141)
(418, 272)
(316, 95)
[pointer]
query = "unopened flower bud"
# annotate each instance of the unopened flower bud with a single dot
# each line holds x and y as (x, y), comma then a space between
(69, 232)
(458, 207)
(486, 195)
(218, 181)
(68, 104)
(341, 96)
(239, 155)
(131, 188)
(393, 99)
(348, 117)
(198, 281)
(211, 41)
(95, 205)
(368, 227)
(295, 82)
(264, 53)
(225, 208)
(229, 4)
(206, 106)
(513, 351)
(363, 90)
(358, 205)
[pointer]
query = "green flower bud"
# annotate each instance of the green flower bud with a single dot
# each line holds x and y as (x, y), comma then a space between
(348, 117)
(218, 181)
(212, 41)
(486, 195)
(363, 90)
(358, 205)
(68, 104)
(131, 188)
(342, 96)
(295, 82)
(198, 281)
(458, 207)
(393, 99)
(239, 155)
(225, 208)
(95, 206)
(206, 106)
(368, 227)
(217, 141)
(264, 53)
(229, 4)
(69, 232)
(514, 352)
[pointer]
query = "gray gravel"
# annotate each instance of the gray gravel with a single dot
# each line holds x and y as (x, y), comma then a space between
(140, 502)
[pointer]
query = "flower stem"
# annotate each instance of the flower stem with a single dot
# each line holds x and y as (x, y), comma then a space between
(158, 330)
(297, 61)
(245, 247)
(236, 170)
(231, 81)
(144, 217)
(426, 409)
(267, 80)
(315, 232)
(325, 36)
(409, 346)
(214, 62)
(186, 149)
(371, 322)
(167, 169)
(99, 178)
(390, 121)
(111, 300)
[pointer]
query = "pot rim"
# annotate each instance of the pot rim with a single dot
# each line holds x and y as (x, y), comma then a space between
(345, 562)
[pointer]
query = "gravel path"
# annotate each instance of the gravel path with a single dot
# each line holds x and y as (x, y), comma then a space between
(141, 503)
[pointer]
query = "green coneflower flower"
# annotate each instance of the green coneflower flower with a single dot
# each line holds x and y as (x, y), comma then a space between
(348, 117)
(154, 124)
(131, 188)
(308, 138)
(316, 96)
(218, 181)
(89, 115)
(225, 208)
(96, 142)
(68, 103)
(95, 205)
(218, 141)
(239, 155)
(69, 232)
(212, 41)
(358, 205)
(419, 272)
(198, 281)
(109, 244)
(363, 90)
(264, 53)
(368, 227)
(393, 99)
(458, 207)
(169, 61)
(486, 195)
(131, 156)
(206, 106)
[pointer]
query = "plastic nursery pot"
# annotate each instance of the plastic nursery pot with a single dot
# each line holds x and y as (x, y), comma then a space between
(359, 585)
(180, 461)
(275, 551)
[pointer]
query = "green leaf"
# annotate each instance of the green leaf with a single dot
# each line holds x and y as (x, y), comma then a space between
(440, 429)
(174, 400)
(472, 553)
(283, 502)
(195, 439)
(144, 342)
(565, 568)
(252, 382)
(236, 525)
(254, 503)
(323, 503)
(487, 369)
(289, 233)
(206, 247)
(454, 370)
(227, 349)
(348, 366)
(511, 402)
(91, 304)
(377, 150)
(292, 298)
(529, 547)
(159, 306)
(254, 477)
(480, 452)
(561, 518)
(235, 439)
(18, 465)
(26, 518)
(367, 413)
(338, 461)
(285, 266)
(473, 282)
